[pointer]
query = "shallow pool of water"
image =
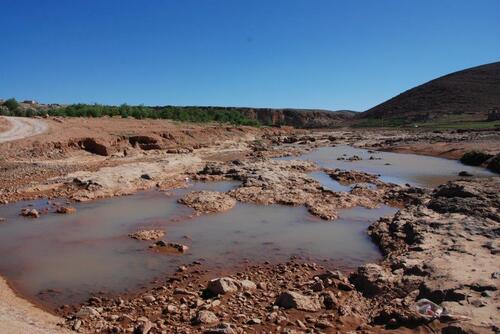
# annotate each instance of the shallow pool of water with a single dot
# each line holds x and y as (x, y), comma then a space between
(419, 170)
(59, 259)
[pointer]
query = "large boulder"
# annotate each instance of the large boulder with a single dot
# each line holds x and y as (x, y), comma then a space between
(292, 299)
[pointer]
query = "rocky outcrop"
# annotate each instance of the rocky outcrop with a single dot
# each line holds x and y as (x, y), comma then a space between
(286, 182)
(352, 176)
(208, 201)
(299, 118)
(442, 252)
(145, 142)
(96, 146)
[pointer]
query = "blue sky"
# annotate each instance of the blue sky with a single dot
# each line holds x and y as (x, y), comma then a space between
(262, 53)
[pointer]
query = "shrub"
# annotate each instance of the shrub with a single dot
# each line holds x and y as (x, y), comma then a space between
(11, 104)
(475, 158)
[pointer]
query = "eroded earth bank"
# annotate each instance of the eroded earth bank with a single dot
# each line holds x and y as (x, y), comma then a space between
(439, 270)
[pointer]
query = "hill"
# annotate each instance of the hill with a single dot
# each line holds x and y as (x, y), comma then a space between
(464, 95)
(299, 118)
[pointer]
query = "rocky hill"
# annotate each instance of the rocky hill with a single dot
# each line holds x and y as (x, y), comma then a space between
(299, 118)
(473, 92)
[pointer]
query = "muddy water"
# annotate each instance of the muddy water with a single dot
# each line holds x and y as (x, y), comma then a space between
(398, 168)
(59, 259)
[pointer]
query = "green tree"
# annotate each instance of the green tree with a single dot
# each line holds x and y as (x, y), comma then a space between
(11, 104)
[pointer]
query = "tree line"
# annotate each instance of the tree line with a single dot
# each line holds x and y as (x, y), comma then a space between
(184, 114)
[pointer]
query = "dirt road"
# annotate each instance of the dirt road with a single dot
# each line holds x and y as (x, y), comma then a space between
(22, 127)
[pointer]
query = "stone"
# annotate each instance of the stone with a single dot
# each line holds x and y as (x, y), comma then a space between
(254, 321)
(170, 247)
(66, 210)
(329, 300)
(370, 279)
(77, 325)
(247, 285)
(149, 298)
(223, 285)
(222, 328)
(205, 317)
(147, 234)
(32, 213)
(292, 299)
(323, 324)
(87, 311)
(208, 201)
(144, 327)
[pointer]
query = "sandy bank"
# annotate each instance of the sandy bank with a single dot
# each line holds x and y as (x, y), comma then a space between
(18, 316)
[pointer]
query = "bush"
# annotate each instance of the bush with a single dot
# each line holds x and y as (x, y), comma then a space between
(475, 158)
(11, 104)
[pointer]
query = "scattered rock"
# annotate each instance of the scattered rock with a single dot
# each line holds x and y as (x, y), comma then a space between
(170, 247)
(32, 213)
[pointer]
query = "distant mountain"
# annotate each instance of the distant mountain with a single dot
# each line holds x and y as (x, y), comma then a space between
(474, 92)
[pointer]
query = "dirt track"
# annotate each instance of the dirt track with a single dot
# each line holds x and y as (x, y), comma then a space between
(21, 127)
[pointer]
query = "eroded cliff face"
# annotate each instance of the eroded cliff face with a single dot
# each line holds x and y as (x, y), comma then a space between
(299, 118)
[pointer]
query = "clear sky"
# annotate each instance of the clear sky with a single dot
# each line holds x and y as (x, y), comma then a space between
(263, 53)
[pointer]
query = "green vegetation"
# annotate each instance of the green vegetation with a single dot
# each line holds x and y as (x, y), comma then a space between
(184, 114)
(475, 158)
(11, 104)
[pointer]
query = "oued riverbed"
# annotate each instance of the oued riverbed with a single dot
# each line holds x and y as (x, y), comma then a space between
(59, 259)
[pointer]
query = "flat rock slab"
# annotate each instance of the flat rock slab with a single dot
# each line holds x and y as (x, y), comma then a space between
(147, 234)
(208, 201)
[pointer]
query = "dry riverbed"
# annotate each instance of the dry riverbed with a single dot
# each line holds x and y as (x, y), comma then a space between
(441, 246)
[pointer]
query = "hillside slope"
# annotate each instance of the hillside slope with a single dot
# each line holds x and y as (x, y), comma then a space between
(299, 118)
(472, 92)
